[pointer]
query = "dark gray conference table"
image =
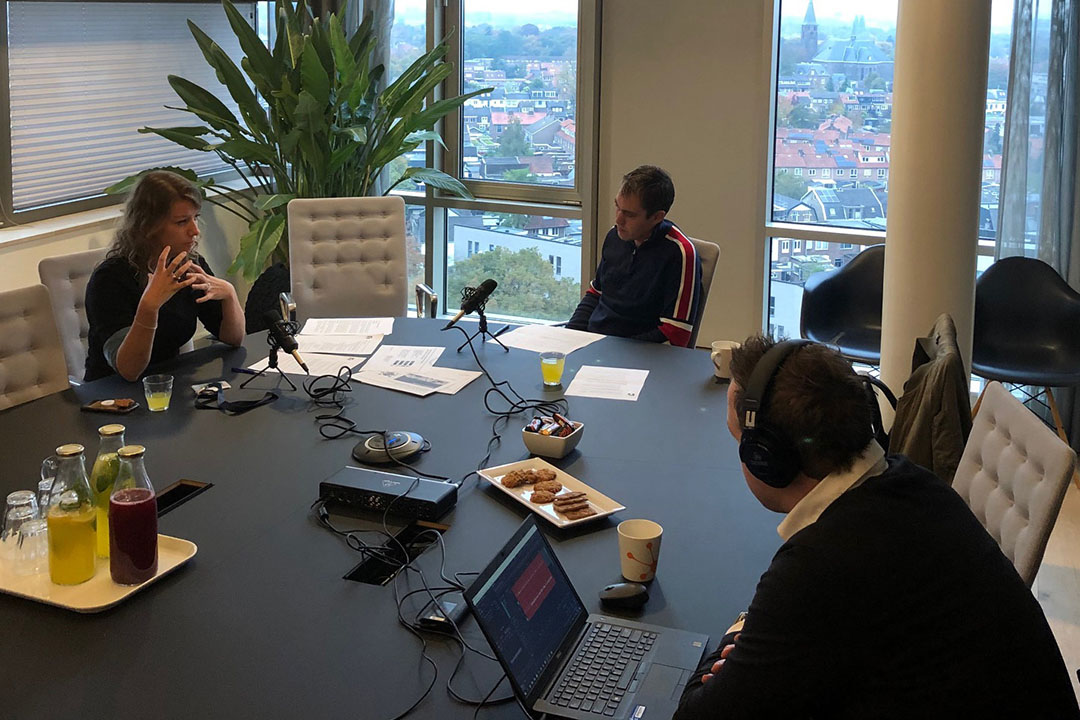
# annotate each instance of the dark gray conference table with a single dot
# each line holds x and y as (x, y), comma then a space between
(261, 624)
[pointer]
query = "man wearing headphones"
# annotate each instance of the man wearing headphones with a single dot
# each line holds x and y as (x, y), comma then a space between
(887, 599)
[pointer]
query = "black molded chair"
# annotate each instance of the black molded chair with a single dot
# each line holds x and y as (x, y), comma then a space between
(1027, 329)
(842, 307)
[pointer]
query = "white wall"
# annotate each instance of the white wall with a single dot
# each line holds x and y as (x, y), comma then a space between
(684, 85)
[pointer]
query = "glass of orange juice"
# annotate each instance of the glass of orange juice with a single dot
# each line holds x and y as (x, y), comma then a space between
(158, 390)
(551, 367)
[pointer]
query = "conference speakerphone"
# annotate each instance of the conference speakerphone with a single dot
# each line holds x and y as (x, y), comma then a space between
(353, 488)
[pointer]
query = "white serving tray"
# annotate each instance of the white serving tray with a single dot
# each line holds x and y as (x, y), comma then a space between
(602, 504)
(99, 592)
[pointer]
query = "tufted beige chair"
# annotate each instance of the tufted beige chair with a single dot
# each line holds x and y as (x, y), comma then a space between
(31, 357)
(709, 254)
(66, 277)
(347, 257)
(1013, 475)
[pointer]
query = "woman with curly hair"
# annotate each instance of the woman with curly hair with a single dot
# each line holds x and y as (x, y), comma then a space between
(142, 301)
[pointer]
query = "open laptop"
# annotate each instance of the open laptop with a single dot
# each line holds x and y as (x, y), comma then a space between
(563, 661)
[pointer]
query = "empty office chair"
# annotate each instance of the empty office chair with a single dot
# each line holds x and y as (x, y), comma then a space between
(427, 301)
(1013, 475)
(1027, 329)
(31, 356)
(933, 415)
(842, 307)
(347, 257)
(66, 277)
(709, 253)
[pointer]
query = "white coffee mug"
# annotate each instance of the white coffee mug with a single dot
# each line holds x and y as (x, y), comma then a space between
(639, 549)
(721, 357)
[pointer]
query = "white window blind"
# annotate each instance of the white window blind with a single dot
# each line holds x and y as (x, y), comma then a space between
(85, 76)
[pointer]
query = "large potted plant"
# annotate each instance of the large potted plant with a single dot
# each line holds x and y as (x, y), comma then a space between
(313, 121)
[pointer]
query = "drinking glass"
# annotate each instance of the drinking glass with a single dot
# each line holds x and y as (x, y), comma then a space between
(32, 549)
(158, 390)
(551, 367)
(14, 518)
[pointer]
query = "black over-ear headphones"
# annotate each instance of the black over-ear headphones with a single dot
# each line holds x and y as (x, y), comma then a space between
(770, 456)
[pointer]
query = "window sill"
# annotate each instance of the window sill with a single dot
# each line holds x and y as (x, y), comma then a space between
(75, 222)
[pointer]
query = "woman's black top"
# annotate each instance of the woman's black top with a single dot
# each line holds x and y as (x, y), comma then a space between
(112, 297)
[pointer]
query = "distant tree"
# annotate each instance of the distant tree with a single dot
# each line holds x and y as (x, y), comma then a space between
(783, 110)
(804, 116)
(513, 142)
(854, 114)
(527, 283)
(537, 83)
(512, 220)
(992, 140)
(829, 86)
(789, 185)
(529, 29)
(521, 175)
(873, 81)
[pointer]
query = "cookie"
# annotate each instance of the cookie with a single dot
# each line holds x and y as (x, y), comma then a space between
(569, 497)
(541, 497)
(545, 475)
(579, 514)
(516, 478)
(571, 507)
(551, 486)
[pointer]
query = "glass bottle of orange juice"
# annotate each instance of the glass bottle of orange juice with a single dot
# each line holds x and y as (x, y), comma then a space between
(102, 477)
(71, 519)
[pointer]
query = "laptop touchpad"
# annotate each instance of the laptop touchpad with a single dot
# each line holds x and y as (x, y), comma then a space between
(661, 680)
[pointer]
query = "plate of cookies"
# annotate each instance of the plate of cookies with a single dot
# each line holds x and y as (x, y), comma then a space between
(556, 496)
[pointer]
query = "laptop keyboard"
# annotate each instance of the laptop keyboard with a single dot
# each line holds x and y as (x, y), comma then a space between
(601, 672)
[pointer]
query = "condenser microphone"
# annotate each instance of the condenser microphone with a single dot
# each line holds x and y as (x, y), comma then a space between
(282, 334)
(470, 304)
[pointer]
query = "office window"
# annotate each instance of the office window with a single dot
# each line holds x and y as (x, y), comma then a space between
(519, 258)
(833, 91)
(796, 245)
(530, 59)
(787, 276)
(785, 245)
(82, 78)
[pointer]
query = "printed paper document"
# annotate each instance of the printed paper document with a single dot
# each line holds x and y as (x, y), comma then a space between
(541, 338)
(608, 383)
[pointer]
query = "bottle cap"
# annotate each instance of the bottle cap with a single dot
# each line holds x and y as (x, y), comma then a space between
(70, 450)
(131, 451)
(109, 430)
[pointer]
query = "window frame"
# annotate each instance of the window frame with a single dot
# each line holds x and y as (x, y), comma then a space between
(445, 17)
(771, 230)
(9, 217)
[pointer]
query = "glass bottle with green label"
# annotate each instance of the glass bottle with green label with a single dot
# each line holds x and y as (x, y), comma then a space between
(102, 478)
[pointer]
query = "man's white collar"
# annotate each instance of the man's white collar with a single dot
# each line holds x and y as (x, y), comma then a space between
(871, 462)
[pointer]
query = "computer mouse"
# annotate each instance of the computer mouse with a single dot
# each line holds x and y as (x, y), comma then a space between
(624, 595)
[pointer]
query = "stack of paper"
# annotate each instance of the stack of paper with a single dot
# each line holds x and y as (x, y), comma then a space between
(328, 344)
(412, 369)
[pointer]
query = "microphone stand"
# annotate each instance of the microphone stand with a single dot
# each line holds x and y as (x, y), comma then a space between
(482, 331)
(271, 365)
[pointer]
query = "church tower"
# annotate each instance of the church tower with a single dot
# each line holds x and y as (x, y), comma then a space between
(809, 32)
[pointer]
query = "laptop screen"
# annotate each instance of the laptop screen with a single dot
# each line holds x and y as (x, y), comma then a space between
(526, 606)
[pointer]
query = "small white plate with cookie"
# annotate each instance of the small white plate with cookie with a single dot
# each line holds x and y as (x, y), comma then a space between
(556, 496)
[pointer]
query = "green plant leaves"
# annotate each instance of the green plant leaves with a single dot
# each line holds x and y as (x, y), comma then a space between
(434, 178)
(257, 244)
(318, 123)
(269, 202)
